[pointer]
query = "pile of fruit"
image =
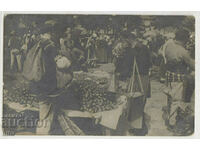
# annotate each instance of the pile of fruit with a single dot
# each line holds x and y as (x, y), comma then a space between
(94, 98)
(19, 95)
(90, 89)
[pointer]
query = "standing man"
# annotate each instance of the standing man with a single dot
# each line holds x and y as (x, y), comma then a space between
(124, 53)
(141, 53)
(14, 44)
(180, 67)
(40, 70)
(47, 85)
(122, 58)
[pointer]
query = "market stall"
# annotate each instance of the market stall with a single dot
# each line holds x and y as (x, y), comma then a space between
(97, 103)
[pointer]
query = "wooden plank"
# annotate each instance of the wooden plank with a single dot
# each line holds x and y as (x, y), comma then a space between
(76, 113)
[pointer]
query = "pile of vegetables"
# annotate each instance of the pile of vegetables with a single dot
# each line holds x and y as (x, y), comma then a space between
(93, 97)
(20, 95)
(90, 88)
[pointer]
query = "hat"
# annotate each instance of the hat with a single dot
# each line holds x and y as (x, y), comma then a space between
(94, 35)
(50, 22)
(12, 32)
(46, 36)
(79, 27)
(68, 30)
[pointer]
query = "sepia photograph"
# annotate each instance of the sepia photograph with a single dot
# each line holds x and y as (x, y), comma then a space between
(98, 75)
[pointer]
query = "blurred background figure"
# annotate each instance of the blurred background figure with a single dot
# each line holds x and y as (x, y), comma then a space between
(16, 52)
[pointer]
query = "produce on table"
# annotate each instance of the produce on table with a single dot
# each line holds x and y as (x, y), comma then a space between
(91, 89)
(20, 95)
(94, 98)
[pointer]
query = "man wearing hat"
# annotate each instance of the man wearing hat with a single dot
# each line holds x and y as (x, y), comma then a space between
(140, 52)
(52, 88)
(40, 70)
(128, 49)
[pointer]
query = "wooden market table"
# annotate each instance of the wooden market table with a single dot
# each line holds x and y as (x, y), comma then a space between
(107, 119)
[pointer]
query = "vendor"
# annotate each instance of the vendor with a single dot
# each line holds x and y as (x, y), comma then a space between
(143, 60)
(45, 85)
(49, 75)
(121, 57)
(124, 54)
(62, 97)
(179, 75)
(59, 96)
(67, 97)
(101, 47)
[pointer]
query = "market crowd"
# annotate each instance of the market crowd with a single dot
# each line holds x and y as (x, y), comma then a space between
(48, 62)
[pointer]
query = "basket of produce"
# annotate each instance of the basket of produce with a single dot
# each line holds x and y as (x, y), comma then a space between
(135, 98)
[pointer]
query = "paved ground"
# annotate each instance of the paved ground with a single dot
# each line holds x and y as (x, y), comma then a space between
(153, 111)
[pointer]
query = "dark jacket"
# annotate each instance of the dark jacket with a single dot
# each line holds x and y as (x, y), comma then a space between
(124, 65)
(143, 58)
(48, 82)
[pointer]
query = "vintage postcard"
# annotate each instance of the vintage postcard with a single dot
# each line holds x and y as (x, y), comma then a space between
(98, 74)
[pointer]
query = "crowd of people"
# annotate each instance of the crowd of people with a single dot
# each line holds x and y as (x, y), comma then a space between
(48, 61)
(84, 46)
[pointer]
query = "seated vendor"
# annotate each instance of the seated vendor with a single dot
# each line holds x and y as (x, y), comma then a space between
(66, 99)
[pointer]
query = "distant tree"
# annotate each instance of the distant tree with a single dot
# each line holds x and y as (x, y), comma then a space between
(189, 23)
(166, 21)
